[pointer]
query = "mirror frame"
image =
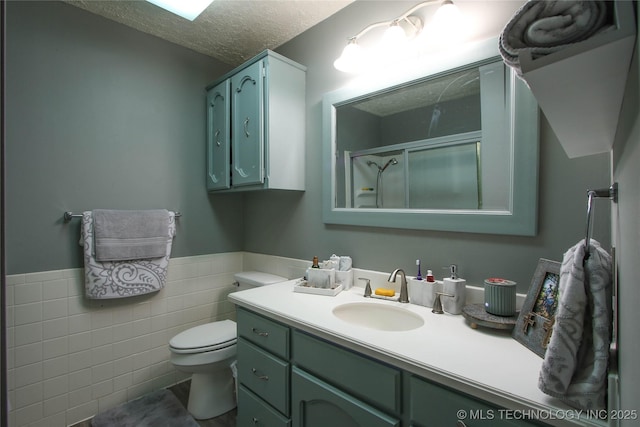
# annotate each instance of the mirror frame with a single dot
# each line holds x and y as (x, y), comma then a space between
(519, 219)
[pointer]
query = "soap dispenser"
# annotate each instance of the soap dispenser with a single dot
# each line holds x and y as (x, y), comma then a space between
(455, 286)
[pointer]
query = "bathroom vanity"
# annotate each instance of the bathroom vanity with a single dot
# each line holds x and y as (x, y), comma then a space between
(300, 365)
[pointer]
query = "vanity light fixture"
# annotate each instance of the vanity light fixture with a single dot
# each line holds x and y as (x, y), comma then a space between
(188, 9)
(399, 32)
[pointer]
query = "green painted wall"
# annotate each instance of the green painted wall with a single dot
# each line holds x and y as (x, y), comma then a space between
(102, 116)
(292, 226)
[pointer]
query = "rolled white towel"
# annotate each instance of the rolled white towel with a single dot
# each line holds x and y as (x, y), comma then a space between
(543, 27)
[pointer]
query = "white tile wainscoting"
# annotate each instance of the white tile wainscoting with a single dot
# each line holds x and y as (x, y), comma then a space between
(70, 358)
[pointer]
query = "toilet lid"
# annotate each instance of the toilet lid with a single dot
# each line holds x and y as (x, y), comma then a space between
(207, 337)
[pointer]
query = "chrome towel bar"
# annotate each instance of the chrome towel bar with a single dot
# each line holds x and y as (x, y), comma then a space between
(68, 215)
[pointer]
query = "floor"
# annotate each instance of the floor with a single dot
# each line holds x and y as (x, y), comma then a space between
(181, 391)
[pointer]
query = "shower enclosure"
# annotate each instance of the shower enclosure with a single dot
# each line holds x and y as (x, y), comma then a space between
(435, 173)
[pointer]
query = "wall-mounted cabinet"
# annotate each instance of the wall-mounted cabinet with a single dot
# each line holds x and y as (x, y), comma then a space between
(256, 126)
(580, 88)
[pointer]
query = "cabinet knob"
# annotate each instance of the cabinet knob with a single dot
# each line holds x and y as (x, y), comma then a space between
(255, 420)
(460, 424)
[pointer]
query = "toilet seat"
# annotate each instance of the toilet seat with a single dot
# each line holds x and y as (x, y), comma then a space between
(208, 337)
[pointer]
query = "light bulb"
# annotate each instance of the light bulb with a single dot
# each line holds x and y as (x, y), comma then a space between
(351, 60)
(448, 22)
(393, 36)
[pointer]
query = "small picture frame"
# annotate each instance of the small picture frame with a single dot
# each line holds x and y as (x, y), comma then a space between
(536, 318)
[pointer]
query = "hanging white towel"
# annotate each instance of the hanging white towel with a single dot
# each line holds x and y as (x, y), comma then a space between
(120, 279)
(576, 361)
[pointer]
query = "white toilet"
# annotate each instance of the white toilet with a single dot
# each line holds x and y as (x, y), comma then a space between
(207, 351)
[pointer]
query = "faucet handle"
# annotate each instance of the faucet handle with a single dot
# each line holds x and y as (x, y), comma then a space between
(367, 288)
(437, 304)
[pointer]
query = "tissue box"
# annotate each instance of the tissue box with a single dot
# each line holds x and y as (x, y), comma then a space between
(321, 277)
(345, 278)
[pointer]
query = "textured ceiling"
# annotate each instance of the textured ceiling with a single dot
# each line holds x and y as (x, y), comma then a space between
(446, 88)
(229, 30)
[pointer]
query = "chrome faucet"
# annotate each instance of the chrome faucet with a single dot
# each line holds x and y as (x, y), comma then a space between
(404, 295)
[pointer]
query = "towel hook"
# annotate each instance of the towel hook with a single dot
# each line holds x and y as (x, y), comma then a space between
(610, 193)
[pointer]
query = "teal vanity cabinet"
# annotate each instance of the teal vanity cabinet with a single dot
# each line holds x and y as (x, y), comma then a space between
(256, 126)
(292, 378)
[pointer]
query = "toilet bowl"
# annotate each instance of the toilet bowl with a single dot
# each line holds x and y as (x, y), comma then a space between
(207, 352)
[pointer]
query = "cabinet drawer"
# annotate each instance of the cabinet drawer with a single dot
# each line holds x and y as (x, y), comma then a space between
(253, 411)
(369, 380)
(264, 374)
(433, 405)
(266, 333)
(318, 404)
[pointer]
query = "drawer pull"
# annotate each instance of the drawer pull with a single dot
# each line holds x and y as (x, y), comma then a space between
(257, 374)
(259, 332)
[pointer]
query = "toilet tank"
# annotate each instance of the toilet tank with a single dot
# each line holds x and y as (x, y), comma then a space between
(254, 279)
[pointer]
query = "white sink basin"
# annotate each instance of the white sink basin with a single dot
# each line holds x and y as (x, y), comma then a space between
(376, 316)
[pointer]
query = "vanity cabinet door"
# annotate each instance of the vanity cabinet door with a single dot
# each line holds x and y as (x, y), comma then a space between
(432, 405)
(218, 136)
(248, 125)
(318, 404)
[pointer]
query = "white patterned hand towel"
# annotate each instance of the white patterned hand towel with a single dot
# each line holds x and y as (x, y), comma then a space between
(542, 27)
(128, 235)
(120, 279)
(575, 363)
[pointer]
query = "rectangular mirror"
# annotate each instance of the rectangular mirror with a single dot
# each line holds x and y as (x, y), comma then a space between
(452, 147)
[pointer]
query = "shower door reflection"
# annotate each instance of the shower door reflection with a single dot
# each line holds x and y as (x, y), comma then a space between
(445, 177)
(440, 173)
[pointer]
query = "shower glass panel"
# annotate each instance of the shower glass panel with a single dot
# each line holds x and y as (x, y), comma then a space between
(445, 177)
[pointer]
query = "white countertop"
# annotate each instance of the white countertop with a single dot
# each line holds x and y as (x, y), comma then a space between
(485, 363)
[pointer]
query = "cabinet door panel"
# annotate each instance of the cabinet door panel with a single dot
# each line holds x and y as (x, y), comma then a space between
(218, 136)
(248, 126)
(436, 406)
(317, 404)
